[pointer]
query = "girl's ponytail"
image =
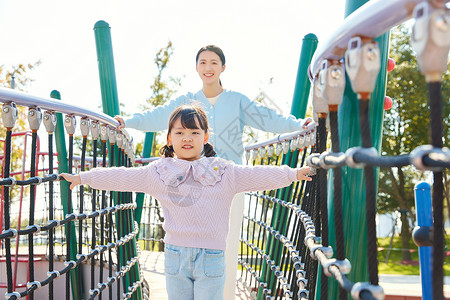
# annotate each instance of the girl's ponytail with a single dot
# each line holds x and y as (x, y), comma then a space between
(166, 151)
(209, 150)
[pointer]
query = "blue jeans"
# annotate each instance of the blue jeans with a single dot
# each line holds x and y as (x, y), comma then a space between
(194, 273)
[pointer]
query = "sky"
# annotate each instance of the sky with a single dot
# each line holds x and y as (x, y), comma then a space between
(261, 40)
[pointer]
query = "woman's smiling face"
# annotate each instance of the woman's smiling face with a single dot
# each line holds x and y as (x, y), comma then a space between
(209, 67)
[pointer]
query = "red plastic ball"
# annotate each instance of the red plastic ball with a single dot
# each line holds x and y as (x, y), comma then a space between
(387, 103)
(391, 64)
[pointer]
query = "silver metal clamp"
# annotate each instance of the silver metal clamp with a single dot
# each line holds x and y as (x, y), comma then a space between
(70, 123)
(49, 121)
(362, 64)
(85, 125)
(9, 114)
(430, 39)
(34, 117)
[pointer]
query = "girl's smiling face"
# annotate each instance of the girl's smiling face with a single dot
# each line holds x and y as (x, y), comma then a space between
(187, 142)
(209, 67)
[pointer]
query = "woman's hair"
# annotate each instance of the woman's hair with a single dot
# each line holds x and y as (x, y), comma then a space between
(188, 115)
(214, 49)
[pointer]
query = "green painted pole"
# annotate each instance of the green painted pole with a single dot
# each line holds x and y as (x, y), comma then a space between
(298, 109)
(110, 101)
(107, 74)
(63, 167)
(148, 141)
(302, 83)
(353, 184)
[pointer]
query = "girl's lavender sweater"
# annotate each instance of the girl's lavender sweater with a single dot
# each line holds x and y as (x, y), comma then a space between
(195, 195)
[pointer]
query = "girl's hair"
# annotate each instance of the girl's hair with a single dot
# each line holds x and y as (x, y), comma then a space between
(214, 49)
(188, 115)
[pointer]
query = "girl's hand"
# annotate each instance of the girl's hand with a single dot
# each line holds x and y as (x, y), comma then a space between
(74, 179)
(121, 122)
(301, 173)
(307, 121)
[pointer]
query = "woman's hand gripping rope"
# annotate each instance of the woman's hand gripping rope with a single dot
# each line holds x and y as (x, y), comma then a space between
(75, 179)
(121, 122)
(307, 121)
(302, 173)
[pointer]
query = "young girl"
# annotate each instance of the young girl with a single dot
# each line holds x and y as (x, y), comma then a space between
(195, 190)
(228, 113)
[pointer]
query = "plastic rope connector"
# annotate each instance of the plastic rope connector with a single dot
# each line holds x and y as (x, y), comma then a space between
(344, 266)
(31, 284)
(350, 156)
(376, 290)
(418, 154)
(8, 296)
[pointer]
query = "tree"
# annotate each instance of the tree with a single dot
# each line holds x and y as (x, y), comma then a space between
(163, 89)
(406, 127)
(16, 77)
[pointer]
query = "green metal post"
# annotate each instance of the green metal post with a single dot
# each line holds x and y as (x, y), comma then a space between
(63, 167)
(353, 186)
(107, 74)
(148, 141)
(110, 101)
(302, 83)
(298, 109)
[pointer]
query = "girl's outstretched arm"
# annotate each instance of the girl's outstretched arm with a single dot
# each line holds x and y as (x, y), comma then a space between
(259, 178)
(73, 179)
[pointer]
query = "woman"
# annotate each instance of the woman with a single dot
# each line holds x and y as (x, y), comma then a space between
(228, 112)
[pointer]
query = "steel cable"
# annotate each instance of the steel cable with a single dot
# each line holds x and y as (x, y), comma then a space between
(369, 174)
(435, 101)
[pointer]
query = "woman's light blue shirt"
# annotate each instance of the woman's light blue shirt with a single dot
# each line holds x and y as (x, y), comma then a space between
(227, 118)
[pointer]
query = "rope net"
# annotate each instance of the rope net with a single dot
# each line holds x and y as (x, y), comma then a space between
(70, 244)
(286, 233)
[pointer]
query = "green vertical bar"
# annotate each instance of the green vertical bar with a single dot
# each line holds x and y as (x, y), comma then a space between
(148, 141)
(298, 109)
(302, 83)
(110, 101)
(353, 184)
(63, 167)
(106, 68)
(107, 74)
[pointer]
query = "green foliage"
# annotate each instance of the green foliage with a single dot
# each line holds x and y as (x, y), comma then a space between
(405, 127)
(163, 89)
(16, 75)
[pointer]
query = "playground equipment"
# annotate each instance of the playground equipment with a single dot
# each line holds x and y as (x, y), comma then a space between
(353, 45)
(285, 231)
(112, 241)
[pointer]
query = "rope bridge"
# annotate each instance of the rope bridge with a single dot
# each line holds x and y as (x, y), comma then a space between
(284, 231)
(91, 236)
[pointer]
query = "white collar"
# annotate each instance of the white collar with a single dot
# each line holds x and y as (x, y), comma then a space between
(206, 170)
